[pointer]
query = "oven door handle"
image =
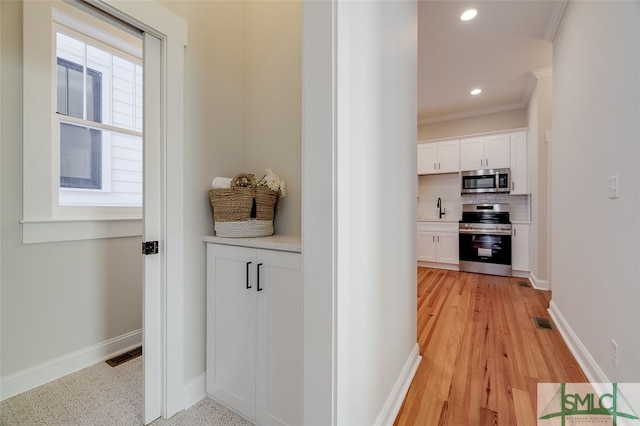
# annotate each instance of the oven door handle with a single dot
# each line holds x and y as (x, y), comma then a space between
(484, 232)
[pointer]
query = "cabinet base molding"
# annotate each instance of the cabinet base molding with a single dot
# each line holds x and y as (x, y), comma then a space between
(436, 265)
(195, 391)
(400, 388)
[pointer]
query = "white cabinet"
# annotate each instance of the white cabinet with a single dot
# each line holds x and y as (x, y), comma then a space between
(520, 247)
(437, 242)
(485, 152)
(519, 179)
(254, 332)
(439, 157)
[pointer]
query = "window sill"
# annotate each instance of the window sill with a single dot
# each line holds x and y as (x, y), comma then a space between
(48, 231)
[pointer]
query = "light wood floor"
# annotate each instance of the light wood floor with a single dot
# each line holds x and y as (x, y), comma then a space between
(482, 354)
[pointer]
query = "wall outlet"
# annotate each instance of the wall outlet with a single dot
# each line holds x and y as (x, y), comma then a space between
(614, 352)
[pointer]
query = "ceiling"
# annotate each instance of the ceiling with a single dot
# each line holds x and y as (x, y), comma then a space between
(496, 52)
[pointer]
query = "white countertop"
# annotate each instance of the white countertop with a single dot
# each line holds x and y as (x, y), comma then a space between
(289, 243)
(435, 219)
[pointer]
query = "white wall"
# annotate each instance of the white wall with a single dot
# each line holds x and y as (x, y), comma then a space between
(364, 170)
(57, 298)
(273, 100)
(595, 272)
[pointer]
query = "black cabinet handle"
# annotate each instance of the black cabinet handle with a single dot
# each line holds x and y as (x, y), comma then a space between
(247, 276)
(258, 269)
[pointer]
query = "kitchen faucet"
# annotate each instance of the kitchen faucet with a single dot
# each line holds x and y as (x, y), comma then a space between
(440, 209)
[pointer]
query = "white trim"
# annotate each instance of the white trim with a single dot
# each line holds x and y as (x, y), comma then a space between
(393, 403)
(589, 365)
(45, 231)
(484, 111)
(195, 391)
(538, 283)
(48, 371)
(554, 19)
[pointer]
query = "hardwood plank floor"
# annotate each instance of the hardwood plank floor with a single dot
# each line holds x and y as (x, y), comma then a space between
(482, 354)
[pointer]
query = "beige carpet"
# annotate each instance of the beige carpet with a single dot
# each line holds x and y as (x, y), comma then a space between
(102, 395)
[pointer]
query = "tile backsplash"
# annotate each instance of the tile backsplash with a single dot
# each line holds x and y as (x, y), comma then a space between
(447, 187)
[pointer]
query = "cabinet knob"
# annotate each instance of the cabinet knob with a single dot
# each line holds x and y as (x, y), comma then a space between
(258, 277)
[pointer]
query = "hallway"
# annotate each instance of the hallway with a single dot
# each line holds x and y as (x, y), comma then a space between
(482, 354)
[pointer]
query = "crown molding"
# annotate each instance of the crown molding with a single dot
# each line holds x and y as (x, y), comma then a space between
(467, 114)
(554, 20)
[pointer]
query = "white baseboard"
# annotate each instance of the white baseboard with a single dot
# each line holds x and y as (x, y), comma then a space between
(539, 284)
(195, 391)
(393, 403)
(589, 366)
(48, 371)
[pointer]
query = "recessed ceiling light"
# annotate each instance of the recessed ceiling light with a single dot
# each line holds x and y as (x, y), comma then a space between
(469, 14)
(476, 91)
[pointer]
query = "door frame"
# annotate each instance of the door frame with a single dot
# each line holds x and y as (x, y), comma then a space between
(171, 30)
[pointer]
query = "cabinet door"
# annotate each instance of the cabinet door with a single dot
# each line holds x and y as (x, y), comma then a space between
(449, 156)
(497, 151)
(427, 158)
(520, 248)
(447, 247)
(231, 327)
(519, 184)
(279, 347)
(472, 153)
(426, 249)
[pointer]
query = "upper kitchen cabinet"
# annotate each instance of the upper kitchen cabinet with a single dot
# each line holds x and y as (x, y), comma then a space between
(439, 157)
(485, 152)
(519, 179)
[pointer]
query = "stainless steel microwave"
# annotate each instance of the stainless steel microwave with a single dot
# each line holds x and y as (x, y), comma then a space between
(485, 181)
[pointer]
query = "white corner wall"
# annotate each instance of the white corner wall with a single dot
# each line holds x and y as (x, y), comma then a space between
(273, 100)
(359, 160)
(595, 271)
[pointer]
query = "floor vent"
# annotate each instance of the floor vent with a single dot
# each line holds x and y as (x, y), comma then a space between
(127, 356)
(543, 323)
(524, 284)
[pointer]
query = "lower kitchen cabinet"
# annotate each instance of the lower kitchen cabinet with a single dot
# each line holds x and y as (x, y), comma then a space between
(520, 247)
(254, 332)
(437, 242)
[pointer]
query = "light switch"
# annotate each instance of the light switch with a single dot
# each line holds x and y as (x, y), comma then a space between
(613, 186)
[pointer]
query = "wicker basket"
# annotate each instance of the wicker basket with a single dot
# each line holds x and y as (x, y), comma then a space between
(244, 210)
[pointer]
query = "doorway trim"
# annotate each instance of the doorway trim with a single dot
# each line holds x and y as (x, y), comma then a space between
(158, 21)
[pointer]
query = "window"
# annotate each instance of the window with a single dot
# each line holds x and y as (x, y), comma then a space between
(80, 147)
(98, 115)
(83, 117)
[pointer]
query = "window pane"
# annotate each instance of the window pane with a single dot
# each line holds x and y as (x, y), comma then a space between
(62, 89)
(75, 88)
(120, 162)
(80, 157)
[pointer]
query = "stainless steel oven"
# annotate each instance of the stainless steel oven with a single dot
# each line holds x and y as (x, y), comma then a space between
(485, 239)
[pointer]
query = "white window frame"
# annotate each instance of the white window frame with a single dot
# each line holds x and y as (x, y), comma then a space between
(78, 30)
(43, 219)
